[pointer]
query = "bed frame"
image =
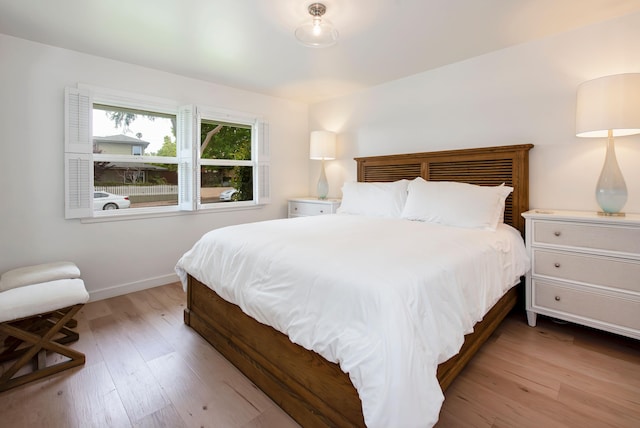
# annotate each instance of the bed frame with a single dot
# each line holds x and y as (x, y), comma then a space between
(314, 391)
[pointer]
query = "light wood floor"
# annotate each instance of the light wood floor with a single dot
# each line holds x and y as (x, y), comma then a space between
(145, 368)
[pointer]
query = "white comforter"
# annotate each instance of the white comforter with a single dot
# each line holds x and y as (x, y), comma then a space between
(386, 299)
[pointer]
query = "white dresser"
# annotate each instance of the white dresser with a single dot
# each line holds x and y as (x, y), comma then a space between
(302, 207)
(585, 268)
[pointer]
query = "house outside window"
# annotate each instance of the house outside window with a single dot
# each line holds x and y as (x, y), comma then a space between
(161, 156)
(150, 179)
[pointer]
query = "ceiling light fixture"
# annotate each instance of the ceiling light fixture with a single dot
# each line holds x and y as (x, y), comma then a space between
(318, 33)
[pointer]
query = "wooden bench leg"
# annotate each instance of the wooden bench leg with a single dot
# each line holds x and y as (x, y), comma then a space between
(38, 324)
(38, 343)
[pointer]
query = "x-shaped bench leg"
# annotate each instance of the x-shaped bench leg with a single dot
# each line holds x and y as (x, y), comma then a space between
(39, 344)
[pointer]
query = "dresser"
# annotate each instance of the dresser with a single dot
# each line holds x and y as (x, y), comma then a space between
(302, 207)
(585, 269)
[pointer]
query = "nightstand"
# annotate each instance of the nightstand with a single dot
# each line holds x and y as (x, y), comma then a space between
(302, 207)
(585, 269)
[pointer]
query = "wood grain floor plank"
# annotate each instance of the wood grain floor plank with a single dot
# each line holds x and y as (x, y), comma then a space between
(213, 367)
(605, 343)
(526, 403)
(601, 410)
(144, 336)
(271, 418)
(38, 404)
(529, 373)
(166, 417)
(173, 297)
(88, 345)
(459, 412)
(584, 369)
(138, 388)
(551, 353)
(166, 319)
(198, 403)
(152, 301)
(100, 405)
(97, 309)
(485, 396)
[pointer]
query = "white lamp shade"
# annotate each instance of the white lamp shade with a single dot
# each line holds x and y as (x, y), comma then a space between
(610, 103)
(322, 145)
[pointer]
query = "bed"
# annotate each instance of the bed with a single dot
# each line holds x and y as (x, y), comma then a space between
(313, 390)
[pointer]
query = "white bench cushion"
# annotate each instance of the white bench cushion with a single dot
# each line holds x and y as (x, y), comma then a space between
(37, 274)
(39, 298)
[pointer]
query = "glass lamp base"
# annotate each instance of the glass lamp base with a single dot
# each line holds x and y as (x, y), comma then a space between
(323, 185)
(611, 190)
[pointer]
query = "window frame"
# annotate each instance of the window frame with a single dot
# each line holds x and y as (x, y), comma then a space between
(232, 118)
(79, 156)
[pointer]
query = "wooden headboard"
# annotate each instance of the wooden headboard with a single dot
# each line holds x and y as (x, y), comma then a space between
(487, 166)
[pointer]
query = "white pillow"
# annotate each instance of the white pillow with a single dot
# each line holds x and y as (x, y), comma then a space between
(374, 199)
(456, 204)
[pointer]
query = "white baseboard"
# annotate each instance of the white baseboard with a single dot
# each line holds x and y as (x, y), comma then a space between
(119, 290)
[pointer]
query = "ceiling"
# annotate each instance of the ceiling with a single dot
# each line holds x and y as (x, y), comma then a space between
(249, 44)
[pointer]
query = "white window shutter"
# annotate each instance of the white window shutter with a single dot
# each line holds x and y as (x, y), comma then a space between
(78, 189)
(78, 144)
(187, 166)
(264, 183)
(77, 121)
(263, 168)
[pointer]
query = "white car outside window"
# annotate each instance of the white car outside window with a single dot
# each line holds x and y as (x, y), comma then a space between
(109, 201)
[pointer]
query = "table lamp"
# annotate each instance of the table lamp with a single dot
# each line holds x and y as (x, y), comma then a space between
(609, 107)
(323, 147)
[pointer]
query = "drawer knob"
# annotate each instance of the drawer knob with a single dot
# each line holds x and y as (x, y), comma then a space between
(295, 209)
(557, 298)
(321, 211)
(557, 233)
(557, 265)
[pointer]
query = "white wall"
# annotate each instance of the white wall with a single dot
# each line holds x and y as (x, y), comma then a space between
(523, 94)
(114, 257)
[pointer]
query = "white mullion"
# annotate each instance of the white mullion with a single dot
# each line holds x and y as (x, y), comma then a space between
(262, 170)
(197, 128)
(225, 162)
(188, 170)
(137, 159)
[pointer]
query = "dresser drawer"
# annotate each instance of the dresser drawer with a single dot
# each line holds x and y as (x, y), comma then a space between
(609, 272)
(591, 236)
(587, 303)
(307, 209)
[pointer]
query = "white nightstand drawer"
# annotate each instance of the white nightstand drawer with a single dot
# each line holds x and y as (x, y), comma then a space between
(609, 272)
(591, 236)
(299, 208)
(302, 207)
(587, 303)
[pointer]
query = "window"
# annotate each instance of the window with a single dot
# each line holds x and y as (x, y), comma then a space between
(226, 170)
(137, 154)
(134, 156)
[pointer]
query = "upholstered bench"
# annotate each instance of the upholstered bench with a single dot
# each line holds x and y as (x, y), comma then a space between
(37, 306)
